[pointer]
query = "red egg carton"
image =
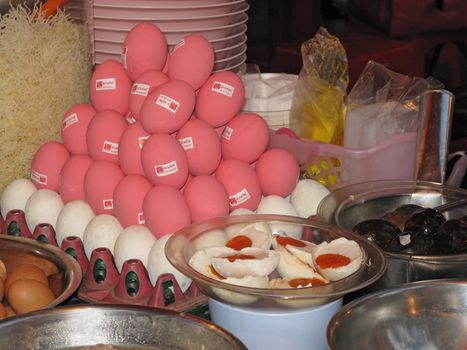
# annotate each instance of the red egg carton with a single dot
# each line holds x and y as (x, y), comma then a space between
(102, 283)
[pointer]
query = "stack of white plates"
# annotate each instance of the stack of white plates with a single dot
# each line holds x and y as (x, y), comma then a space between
(222, 22)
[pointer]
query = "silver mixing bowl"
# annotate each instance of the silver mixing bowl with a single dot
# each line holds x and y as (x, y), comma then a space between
(352, 204)
(121, 325)
(426, 315)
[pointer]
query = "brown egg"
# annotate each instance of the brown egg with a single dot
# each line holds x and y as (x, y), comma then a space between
(3, 313)
(9, 311)
(2, 289)
(26, 295)
(2, 270)
(25, 271)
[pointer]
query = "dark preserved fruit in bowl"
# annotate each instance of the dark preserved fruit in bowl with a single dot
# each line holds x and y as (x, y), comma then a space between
(425, 232)
(452, 237)
(401, 214)
(429, 221)
(379, 231)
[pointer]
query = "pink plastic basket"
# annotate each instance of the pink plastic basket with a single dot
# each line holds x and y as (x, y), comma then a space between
(335, 166)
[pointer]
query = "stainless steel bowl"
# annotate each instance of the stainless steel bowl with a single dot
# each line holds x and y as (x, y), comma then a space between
(60, 267)
(83, 325)
(421, 315)
(352, 204)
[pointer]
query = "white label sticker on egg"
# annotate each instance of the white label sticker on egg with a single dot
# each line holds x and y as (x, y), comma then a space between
(124, 53)
(239, 198)
(141, 141)
(141, 220)
(130, 119)
(108, 204)
(223, 88)
(187, 143)
(110, 147)
(166, 169)
(176, 47)
(140, 89)
(168, 103)
(106, 84)
(227, 134)
(38, 177)
(70, 120)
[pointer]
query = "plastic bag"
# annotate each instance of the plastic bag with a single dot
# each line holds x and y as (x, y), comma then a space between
(382, 104)
(318, 105)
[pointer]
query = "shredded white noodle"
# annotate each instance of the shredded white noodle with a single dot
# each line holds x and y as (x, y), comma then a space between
(44, 70)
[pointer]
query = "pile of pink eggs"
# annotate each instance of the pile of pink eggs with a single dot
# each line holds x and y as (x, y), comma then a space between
(163, 144)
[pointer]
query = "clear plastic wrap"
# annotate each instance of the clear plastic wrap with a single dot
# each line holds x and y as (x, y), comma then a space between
(318, 106)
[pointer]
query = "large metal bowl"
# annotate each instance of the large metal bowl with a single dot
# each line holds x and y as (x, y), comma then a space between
(420, 315)
(63, 271)
(352, 204)
(84, 325)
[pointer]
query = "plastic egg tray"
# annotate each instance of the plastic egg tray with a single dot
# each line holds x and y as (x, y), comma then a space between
(102, 283)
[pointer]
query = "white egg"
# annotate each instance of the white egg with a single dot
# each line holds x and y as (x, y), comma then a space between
(280, 206)
(43, 206)
(290, 266)
(233, 229)
(15, 195)
(260, 263)
(158, 264)
(214, 238)
(201, 260)
(240, 298)
(259, 234)
(134, 242)
(299, 248)
(101, 232)
(72, 220)
(347, 259)
(306, 197)
(294, 282)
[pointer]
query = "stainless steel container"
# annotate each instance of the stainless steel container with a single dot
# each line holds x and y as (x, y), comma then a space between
(58, 265)
(350, 205)
(84, 325)
(422, 315)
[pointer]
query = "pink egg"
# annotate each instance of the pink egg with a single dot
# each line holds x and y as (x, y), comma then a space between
(277, 171)
(164, 161)
(245, 138)
(191, 60)
(72, 178)
(202, 147)
(128, 200)
(220, 98)
(110, 87)
(165, 210)
(47, 164)
(75, 123)
(142, 87)
(103, 135)
(129, 149)
(207, 198)
(241, 183)
(144, 48)
(99, 184)
(168, 107)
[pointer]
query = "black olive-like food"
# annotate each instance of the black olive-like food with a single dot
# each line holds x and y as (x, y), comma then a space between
(401, 214)
(451, 238)
(381, 232)
(416, 242)
(427, 221)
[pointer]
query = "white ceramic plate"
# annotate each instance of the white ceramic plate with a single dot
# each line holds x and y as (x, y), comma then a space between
(152, 13)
